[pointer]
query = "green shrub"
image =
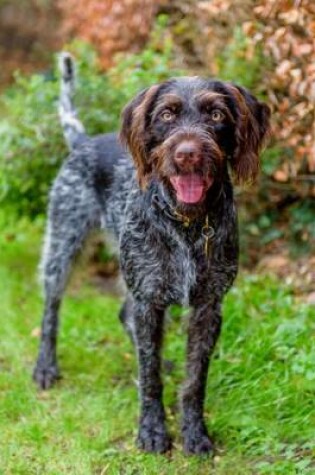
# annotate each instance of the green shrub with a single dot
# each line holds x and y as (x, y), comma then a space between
(31, 142)
(238, 64)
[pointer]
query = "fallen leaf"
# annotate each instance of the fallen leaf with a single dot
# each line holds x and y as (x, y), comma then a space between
(36, 332)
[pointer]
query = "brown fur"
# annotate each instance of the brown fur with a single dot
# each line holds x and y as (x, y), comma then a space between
(133, 132)
(250, 134)
(252, 127)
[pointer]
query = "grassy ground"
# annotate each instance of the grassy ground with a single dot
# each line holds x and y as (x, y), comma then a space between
(260, 399)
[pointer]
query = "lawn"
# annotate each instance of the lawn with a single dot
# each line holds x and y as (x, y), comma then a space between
(260, 399)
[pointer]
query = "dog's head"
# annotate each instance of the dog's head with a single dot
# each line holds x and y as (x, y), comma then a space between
(184, 132)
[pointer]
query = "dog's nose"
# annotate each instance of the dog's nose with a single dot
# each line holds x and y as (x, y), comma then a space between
(187, 153)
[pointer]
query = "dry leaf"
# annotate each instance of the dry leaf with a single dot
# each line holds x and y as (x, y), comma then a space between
(36, 332)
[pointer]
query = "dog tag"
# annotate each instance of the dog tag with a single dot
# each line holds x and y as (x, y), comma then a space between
(208, 233)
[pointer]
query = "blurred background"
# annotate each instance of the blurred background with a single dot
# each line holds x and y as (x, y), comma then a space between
(260, 396)
(267, 46)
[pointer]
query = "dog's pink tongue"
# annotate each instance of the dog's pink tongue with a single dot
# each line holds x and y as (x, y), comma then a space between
(189, 188)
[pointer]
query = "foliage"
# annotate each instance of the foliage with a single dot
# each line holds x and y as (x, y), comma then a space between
(258, 57)
(31, 145)
(259, 400)
(268, 46)
(241, 62)
(29, 31)
(285, 31)
(265, 227)
(103, 24)
(31, 142)
(303, 225)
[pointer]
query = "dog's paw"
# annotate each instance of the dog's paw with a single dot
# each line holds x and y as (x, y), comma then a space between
(154, 439)
(197, 441)
(45, 375)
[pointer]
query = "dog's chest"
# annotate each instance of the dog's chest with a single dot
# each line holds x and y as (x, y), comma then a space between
(193, 269)
(160, 261)
(183, 269)
(177, 269)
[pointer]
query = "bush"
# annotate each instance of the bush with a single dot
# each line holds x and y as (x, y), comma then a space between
(241, 61)
(279, 211)
(31, 142)
(103, 24)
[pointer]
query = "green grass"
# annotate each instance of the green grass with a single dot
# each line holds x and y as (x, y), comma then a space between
(260, 398)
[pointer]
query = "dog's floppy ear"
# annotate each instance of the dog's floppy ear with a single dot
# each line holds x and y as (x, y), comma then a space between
(134, 131)
(252, 128)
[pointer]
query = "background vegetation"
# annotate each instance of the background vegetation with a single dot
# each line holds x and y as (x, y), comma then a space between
(265, 46)
(260, 403)
(31, 142)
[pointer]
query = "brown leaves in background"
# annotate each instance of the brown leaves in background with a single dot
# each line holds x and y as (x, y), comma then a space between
(283, 29)
(109, 25)
(286, 31)
(29, 30)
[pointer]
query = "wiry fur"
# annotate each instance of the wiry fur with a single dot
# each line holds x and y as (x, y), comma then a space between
(162, 260)
(72, 127)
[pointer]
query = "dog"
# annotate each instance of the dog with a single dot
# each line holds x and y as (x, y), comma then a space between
(163, 187)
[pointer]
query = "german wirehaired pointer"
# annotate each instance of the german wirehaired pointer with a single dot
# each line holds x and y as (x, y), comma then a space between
(168, 200)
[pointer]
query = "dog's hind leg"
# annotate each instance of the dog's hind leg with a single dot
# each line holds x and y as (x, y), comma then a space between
(127, 319)
(73, 214)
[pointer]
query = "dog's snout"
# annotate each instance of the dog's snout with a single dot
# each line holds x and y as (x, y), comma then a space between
(187, 153)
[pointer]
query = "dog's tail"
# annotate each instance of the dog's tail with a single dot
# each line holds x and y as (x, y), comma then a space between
(73, 128)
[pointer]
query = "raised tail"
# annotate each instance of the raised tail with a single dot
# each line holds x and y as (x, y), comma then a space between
(73, 128)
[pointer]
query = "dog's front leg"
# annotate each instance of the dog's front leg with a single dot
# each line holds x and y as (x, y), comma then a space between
(204, 329)
(148, 321)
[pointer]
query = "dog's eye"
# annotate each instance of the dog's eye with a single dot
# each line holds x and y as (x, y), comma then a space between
(167, 115)
(217, 116)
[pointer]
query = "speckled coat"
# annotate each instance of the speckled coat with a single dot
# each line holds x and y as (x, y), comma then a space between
(167, 253)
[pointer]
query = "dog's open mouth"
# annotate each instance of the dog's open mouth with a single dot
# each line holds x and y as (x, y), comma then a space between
(190, 188)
